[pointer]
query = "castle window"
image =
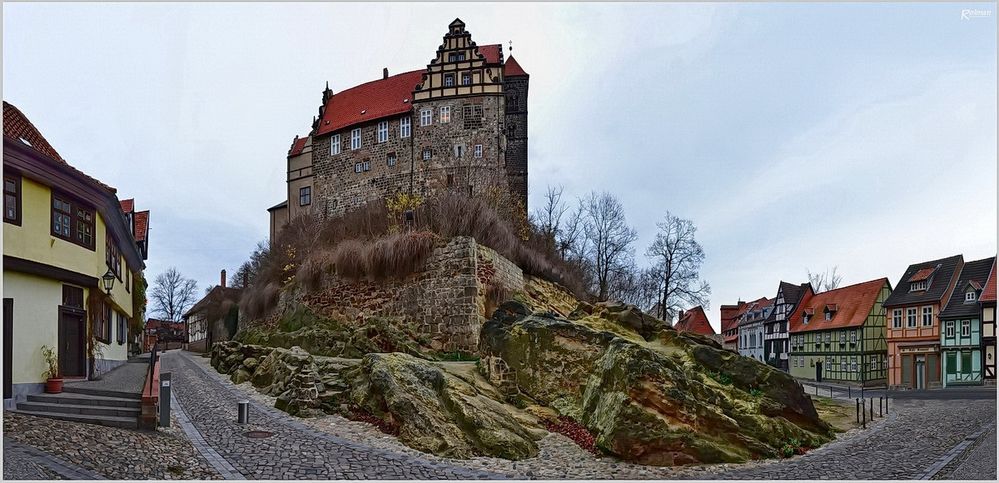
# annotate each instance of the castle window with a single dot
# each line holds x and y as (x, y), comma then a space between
(426, 117)
(459, 150)
(383, 131)
(478, 150)
(335, 144)
(405, 127)
(367, 165)
(426, 154)
(466, 78)
(445, 115)
(305, 196)
(448, 80)
(355, 138)
(928, 316)
(456, 56)
(358, 167)
(390, 159)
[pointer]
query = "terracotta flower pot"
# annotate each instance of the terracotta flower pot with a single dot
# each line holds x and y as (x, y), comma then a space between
(53, 385)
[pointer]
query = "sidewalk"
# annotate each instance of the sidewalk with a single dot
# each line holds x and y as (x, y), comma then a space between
(843, 391)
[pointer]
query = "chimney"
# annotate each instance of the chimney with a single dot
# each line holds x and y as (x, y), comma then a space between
(385, 73)
(222, 282)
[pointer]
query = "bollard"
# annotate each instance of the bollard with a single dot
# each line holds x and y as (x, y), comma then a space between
(872, 408)
(863, 410)
(243, 412)
(849, 391)
(886, 404)
(165, 399)
(858, 411)
(881, 405)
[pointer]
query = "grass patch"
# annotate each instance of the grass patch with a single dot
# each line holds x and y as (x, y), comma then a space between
(841, 415)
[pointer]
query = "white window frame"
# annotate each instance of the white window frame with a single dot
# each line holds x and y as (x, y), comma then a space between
(965, 328)
(383, 129)
(969, 296)
(444, 116)
(910, 318)
(426, 116)
(949, 329)
(405, 127)
(917, 286)
(896, 318)
(449, 80)
(853, 336)
(357, 167)
(355, 138)
(335, 145)
(427, 154)
(466, 76)
(478, 150)
(391, 159)
(927, 316)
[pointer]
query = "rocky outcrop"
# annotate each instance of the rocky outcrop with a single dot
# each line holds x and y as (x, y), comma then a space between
(625, 315)
(676, 399)
(438, 412)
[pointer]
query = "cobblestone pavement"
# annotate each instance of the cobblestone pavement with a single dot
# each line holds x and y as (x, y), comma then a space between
(292, 450)
(18, 464)
(917, 434)
(106, 452)
(128, 377)
(977, 463)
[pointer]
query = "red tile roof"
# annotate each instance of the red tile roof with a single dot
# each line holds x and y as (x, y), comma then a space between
(369, 101)
(694, 320)
(852, 304)
(989, 292)
(922, 274)
(298, 145)
(128, 205)
(492, 53)
(513, 68)
(141, 225)
(18, 128)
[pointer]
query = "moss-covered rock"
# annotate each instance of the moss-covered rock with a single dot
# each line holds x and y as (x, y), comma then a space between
(438, 412)
(673, 400)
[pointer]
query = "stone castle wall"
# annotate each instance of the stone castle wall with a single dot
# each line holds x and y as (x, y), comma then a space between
(446, 300)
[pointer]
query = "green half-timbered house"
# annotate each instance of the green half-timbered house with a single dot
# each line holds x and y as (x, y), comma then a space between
(961, 327)
(839, 335)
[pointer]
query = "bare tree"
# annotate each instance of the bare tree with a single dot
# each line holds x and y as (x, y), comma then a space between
(548, 218)
(609, 240)
(825, 281)
(570, 241)
(638, 287)
(248, 270)
(676, 261)
(172, 294)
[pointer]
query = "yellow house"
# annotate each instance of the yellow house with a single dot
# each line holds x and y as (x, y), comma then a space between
(65, 239)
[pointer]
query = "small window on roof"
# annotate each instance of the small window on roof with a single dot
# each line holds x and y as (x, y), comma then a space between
(970, 296)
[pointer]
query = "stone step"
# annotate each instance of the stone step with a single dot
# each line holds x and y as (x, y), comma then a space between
(114, 421)
(84, 400)
(100, 392)
(42, 407)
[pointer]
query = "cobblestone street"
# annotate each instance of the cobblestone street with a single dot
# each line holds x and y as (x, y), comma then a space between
(920, 438)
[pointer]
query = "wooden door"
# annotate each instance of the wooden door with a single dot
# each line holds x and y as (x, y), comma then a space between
(818, 371)
(8, 346)
(71, 340)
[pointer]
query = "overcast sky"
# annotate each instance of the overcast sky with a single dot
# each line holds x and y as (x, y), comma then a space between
(795, 136)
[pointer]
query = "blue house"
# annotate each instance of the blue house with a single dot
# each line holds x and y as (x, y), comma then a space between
(961, 327)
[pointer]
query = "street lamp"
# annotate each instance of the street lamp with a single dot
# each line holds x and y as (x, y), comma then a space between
(108, 280)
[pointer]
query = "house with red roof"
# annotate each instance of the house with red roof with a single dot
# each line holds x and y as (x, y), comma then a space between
(459, 124)
(694, 320)
(988, 303)
(839, 335)
(730, 316)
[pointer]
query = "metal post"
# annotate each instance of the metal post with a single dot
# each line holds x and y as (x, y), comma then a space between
(849, 390)
(863, 410)
(881, 406)
(872, 408)
(165, 399)
(243, 412)
(858, 411)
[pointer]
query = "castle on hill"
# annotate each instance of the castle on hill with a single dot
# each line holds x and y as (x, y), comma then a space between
(459, 125)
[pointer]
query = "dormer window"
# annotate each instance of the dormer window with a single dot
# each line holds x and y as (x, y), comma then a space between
(828, 315)
(970, 296)
(917, 286)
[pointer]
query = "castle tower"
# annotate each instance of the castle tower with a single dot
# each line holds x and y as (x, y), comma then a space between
(515, 82)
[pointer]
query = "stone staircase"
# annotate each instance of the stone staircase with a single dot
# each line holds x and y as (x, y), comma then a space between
(113, 400)
(86, 405)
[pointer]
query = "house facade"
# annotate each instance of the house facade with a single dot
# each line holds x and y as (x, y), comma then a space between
(775, 328)
(988, 304)
(214, 318)
(839, 335)
(961, 334)
(729, 316)
(751, 328)
(913, 311)
(66, 238)
(459, 124)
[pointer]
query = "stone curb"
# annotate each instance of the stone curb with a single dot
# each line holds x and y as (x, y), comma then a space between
(226, 469)
(286, 420)
(62, 468)
(954, 452)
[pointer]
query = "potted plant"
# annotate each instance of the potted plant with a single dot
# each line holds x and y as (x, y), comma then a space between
(53, 380)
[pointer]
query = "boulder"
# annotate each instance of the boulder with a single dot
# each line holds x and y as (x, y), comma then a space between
(674, 400)
(624, 315)
(438, 412)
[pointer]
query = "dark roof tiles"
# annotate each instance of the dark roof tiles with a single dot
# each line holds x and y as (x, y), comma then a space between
(943, 273)
(974, 271)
